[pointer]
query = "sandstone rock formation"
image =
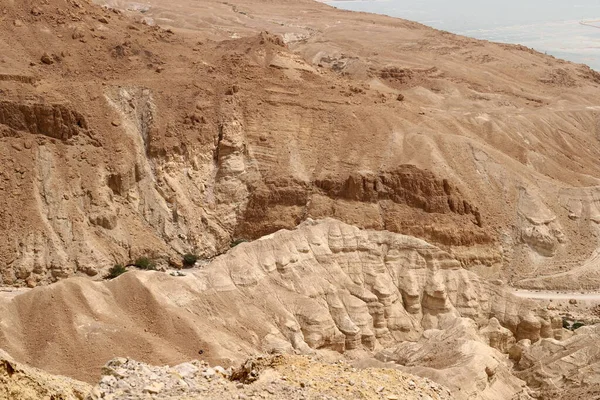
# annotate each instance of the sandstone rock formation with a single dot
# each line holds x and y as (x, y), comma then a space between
(382, 181)
(323, 286)
(563, 369)
(497, 337)
(456, 356)
(120, 149)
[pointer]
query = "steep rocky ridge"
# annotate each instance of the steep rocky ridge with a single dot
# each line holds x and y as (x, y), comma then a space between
(321, 287)
(122, 139)
(407, 200)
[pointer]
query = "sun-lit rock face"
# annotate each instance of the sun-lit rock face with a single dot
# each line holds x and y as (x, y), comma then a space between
(560, 369)
(370, 287)
(143, 141)
(324, 285)
(456, 355)
(497, 337)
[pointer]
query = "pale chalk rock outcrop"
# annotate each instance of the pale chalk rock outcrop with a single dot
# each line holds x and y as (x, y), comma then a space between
(324, 285)
(455, 356)
(557, 368)
(497, 337)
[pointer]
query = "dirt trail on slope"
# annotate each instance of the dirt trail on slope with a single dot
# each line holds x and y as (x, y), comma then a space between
(556, 295)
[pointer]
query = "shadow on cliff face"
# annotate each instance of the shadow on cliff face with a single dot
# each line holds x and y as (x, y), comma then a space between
(57, 121)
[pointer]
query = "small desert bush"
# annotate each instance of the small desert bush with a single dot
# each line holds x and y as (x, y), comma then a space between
(189, 260)
(577, 325)
(145, 263)
(116, 270)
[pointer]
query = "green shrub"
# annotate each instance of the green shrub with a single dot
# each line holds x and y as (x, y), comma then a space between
(577, 325)
(236, 242)
(189, 260)
(145, 263)
(116, 270)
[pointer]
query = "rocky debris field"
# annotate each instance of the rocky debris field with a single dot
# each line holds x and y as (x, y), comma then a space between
(265, 377)
(352, 184)
(270, 377)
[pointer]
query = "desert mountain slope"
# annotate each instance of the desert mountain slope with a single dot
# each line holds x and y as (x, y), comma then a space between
(323, 286)
(121, 139)
(391, 181)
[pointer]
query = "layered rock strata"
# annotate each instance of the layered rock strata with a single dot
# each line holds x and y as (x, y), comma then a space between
(324, 285)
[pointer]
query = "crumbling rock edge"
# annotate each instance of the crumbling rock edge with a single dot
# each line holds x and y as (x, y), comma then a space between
(273, 377)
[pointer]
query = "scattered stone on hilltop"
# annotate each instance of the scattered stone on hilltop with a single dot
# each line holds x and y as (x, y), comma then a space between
(273, 377)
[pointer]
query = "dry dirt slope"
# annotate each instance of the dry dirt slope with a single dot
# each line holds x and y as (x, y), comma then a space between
(463, 160)
(324, 288)
(132, 140)
(508, 98)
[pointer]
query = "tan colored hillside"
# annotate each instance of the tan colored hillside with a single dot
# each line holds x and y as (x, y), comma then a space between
(393, 183)
(137, 141)
(326, 286)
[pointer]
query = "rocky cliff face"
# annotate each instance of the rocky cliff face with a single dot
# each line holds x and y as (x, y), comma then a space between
(562, 368)
(383, 201)
(382, 190)
(323, 286)
(457, 356)
(122, 139)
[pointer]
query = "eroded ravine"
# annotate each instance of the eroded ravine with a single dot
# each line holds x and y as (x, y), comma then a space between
(454, 169)
(324, 285)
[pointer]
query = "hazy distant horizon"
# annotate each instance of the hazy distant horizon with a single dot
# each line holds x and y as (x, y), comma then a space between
(550, 26)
